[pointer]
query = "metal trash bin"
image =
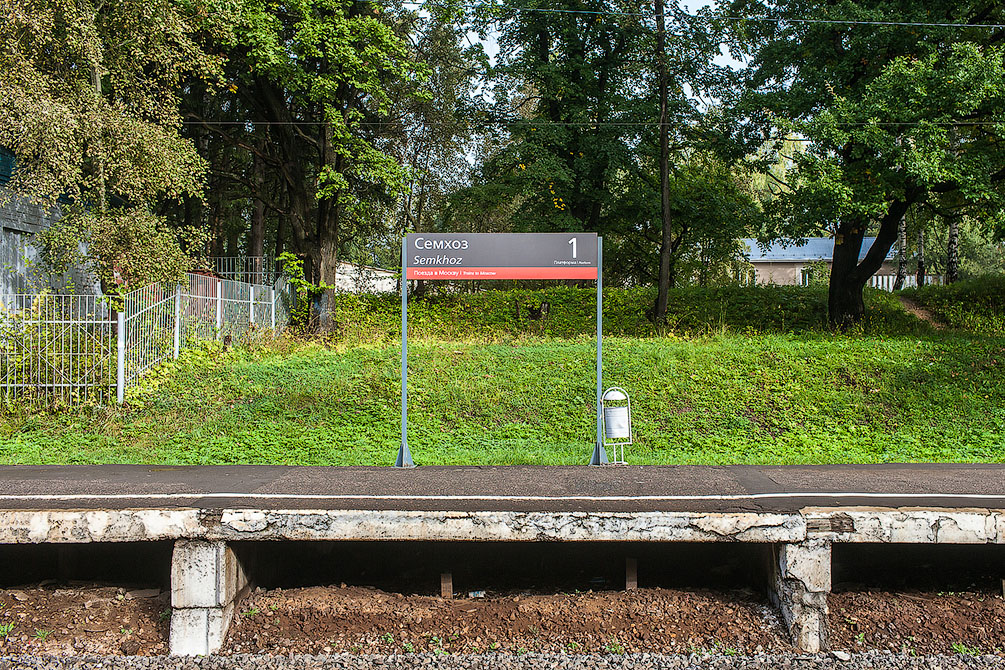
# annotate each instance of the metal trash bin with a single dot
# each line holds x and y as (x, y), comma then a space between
(617, 420)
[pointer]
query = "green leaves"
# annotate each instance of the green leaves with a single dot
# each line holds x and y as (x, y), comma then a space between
(891, 113)
(127, 248)
(89, 98)
(723, 399)
(322, 76)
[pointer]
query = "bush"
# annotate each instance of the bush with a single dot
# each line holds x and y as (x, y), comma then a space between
(564, 312)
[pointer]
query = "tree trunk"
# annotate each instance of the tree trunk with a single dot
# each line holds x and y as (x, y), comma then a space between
(280, 236)
(327, 271)
(901, 254)
(665, 279)
(921, 258)
(215, 220)
(845, 305)
(953, 251)
(327, 235)
(294, 154)
(256, 237)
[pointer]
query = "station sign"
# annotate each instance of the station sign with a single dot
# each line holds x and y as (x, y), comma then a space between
(460, 256)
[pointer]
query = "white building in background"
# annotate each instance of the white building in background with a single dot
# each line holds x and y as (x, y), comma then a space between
(349, 277)
(790, 263)
(353, 278)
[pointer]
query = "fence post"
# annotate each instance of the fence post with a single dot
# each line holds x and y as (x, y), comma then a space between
(120, 367)
(177, 320)
(251, 305)
(273, 311)
(219, 308)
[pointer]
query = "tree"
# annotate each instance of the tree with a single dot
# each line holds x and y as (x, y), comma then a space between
(893, 117)
(711, 205)
(89, 97)
(317, 74)
(580, 112)
(666, 239)
(424, 130)
(563, 86)
(433, 133)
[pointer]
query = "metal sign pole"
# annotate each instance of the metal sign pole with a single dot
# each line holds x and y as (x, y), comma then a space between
(404, 459)
(480, 256)
(599, 453)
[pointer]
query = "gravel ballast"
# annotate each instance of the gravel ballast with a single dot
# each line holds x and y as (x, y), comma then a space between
(864, 661)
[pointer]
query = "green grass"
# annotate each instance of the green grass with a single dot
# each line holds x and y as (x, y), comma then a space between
(773, 398)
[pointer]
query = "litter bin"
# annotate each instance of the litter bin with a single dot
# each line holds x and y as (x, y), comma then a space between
(617, 420)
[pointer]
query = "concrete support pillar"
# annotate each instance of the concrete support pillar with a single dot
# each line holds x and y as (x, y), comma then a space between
(800, 582)
(206, 581)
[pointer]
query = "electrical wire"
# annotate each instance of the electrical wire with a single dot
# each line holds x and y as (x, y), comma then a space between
(574, 124)
(759, 19)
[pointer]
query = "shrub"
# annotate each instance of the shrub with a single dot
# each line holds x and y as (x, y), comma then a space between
(565, 312)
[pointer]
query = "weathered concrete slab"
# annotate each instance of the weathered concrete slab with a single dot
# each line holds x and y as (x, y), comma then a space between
(801, 580)
(505, 526)
(884, 525)
(206, 581)
(907, 525)
(74, 526)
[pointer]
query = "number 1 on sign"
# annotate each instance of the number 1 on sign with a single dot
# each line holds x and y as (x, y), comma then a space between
(573, 243)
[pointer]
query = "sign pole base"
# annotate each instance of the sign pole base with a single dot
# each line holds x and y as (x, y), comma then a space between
(404, 459)
(599, 455)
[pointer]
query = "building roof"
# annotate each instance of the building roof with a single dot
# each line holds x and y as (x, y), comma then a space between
(803, 250)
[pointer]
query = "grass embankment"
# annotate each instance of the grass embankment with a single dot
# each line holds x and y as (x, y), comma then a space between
(772, 398)
(570, 312)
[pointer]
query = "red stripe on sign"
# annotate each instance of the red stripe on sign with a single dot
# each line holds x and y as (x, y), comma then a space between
(557, 272)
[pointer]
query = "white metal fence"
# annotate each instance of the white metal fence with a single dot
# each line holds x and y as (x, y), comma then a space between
(882, 282)
(249, 269)
(886, 282)
(68, 349)
(56, 345)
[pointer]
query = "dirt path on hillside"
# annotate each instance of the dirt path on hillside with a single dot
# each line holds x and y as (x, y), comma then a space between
(920, 312)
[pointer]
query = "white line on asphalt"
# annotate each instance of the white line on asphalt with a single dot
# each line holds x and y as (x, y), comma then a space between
(496, 498)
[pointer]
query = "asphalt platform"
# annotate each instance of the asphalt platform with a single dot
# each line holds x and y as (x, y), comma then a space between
(614, 488)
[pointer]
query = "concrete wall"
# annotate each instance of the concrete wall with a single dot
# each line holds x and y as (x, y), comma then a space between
(789, 273)
(19, 221)
(784, 274)
(353, 278)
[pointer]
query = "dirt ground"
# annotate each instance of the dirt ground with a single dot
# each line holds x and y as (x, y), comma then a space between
(920, 312)
(83, 619)
(970, 622)
(355, 619)
(79, 619)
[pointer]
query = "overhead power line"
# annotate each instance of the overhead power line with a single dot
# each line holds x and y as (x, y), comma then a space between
(589, 124)
(758, 19)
